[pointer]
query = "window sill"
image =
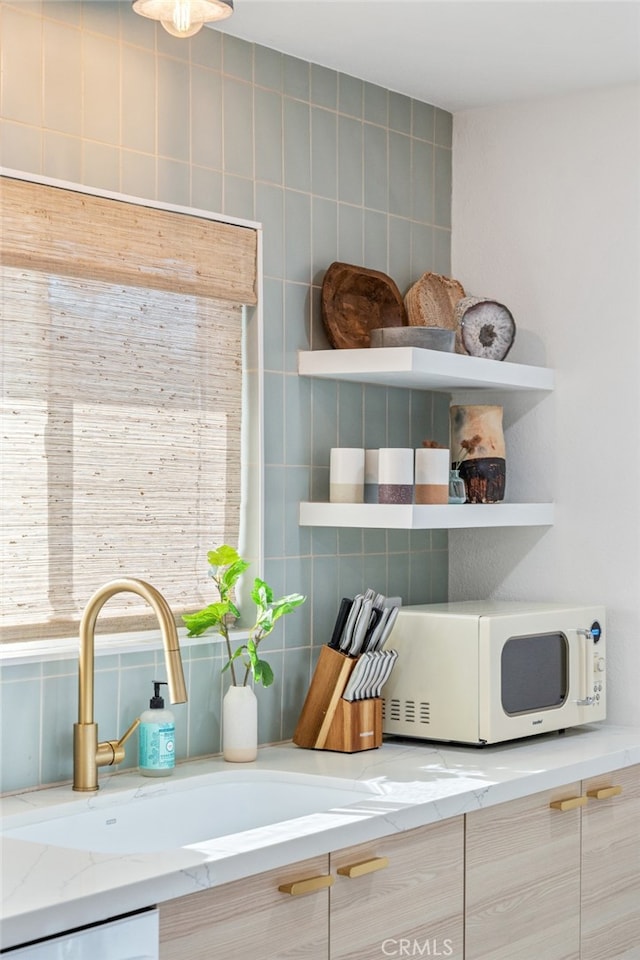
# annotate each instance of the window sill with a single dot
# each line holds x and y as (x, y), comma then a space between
(39, 651)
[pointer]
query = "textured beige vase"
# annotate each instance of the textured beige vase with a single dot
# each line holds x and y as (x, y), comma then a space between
(477, 446)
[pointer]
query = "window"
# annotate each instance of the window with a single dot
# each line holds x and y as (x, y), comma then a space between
(122, 400)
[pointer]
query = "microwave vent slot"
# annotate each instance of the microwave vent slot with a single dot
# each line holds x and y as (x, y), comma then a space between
(406, 710)
(394, 709)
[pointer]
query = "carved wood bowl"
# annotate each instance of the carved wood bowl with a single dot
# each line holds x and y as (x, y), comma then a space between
(356, 301)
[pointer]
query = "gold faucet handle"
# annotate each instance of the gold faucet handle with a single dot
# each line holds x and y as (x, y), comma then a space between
(113, 751)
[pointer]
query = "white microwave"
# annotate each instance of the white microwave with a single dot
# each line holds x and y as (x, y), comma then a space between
(485, 672)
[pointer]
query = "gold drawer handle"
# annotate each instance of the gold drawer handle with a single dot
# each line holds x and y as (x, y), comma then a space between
(571, 803)
(364, 866)
(603, 793)
(311, 884)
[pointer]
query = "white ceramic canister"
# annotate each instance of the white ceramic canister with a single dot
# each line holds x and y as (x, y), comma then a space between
(395, 475)
(432, 475)
(346, 475)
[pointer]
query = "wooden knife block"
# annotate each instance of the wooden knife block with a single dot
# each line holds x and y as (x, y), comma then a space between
(327, 722)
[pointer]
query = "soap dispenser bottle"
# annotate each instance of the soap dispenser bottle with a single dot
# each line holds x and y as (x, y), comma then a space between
(157, 737)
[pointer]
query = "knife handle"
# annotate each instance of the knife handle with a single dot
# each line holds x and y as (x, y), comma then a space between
(341, 619)
(308, 885)
(363, 867)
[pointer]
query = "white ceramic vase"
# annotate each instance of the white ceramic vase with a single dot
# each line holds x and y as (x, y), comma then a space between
(239, 725)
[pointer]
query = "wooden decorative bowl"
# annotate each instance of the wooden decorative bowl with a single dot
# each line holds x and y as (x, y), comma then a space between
(356, 301)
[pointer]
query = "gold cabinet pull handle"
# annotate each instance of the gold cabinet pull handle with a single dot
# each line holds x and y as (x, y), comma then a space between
(569, 804)
(603, 793)
(364, 866)
(309, 885)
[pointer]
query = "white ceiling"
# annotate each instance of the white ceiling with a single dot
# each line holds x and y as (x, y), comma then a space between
(457, 54)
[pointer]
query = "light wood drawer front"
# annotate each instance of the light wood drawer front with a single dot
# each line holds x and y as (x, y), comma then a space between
(611, 869)
(416, 898)
(523, 879)
(250, 918)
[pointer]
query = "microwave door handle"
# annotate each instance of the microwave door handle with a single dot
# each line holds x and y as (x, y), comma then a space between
(585, 639)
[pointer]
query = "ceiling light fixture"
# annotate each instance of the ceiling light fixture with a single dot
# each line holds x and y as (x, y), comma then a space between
(183, 18)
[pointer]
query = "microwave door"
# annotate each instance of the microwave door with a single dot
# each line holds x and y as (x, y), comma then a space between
(528, 680)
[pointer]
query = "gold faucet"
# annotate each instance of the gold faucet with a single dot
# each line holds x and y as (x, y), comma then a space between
(88, 754)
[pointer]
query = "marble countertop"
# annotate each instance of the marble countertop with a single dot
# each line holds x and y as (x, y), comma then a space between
(46, 889)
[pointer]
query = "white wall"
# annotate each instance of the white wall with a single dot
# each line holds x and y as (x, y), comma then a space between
(546, 219)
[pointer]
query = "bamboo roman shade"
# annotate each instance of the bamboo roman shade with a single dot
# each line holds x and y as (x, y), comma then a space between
(122, 402)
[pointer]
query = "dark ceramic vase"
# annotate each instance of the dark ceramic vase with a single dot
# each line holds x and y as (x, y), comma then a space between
(484, 479)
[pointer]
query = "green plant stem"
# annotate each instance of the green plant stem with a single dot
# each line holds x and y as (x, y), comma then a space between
(225, 634)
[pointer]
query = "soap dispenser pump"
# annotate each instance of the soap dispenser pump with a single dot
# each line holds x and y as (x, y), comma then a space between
(157, 737)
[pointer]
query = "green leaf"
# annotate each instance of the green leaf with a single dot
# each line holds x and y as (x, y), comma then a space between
(262, 594)
(222, 556)
(262, 673)
(202, 620)
(231, 575)
(238, 652)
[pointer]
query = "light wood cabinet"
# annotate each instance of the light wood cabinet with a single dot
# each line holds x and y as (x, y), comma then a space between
(412, 906)
(555, 875)
(403, 889)
(250, 918)
(523, 879)
(611, 867)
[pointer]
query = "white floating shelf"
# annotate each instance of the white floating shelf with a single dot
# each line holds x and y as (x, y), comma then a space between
(416, 517)
(414, 368)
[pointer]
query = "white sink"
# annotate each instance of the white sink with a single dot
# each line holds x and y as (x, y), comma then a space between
(183, 812)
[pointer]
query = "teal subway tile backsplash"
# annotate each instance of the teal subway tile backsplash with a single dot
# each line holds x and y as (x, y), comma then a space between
(296, 77)
(334, 168)
(269, 145)
(62, 78)
(237, 99)
(297, 328)
(267, 68)
(350, 160)
(297, 236)
(324, 153)
(61, 156)
(138, 114)
(174, 120)
(422, 120)
(442, 176)
(375, 240)
(206, 118)
(350, 234)
(238, 196)
(21, 715)
(399, 112)
(443, 128)
(376, 104)
(350, 95)
(297, 145)
(273, 310)
(324, 236)
(376, 167)
(422, 248)
(324, 86)
(400, 181)
(270, 212)
(237, 58)
(101, 89)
